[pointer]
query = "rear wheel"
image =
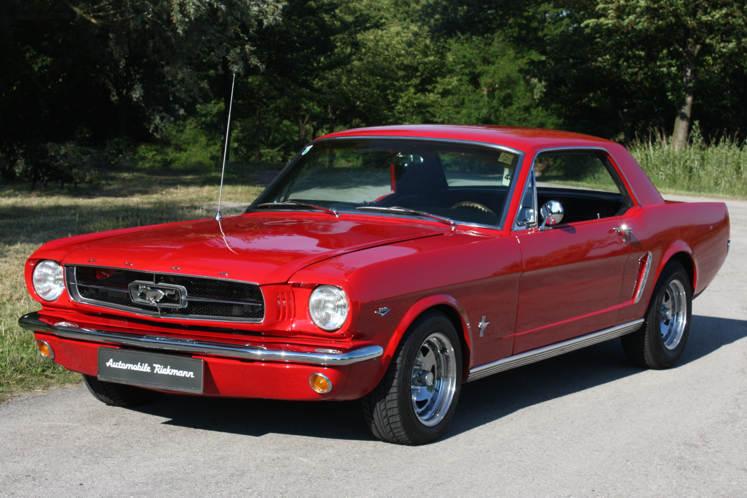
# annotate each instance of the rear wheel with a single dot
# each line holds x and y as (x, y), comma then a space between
(113, 394)
(661, 340)
(417, 398)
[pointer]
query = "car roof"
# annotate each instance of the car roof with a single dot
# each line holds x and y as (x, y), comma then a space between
(522, 139)
(526, 140)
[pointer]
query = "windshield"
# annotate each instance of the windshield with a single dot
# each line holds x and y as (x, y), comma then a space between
(465, 183)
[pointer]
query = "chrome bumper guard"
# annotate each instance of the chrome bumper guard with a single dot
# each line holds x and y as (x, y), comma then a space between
(31, 321)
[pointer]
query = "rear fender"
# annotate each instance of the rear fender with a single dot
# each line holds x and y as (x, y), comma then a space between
(676, 247)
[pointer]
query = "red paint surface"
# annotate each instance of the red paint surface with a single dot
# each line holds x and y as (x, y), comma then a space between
(535, 287)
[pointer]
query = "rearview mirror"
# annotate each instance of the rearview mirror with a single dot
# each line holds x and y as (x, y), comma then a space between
(551, 213)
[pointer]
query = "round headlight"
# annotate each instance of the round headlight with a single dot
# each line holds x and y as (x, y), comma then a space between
(48, 281)
(328, 307)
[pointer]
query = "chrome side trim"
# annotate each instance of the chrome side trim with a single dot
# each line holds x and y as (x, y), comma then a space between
(32, 321)
(546, 352)
(644, 278)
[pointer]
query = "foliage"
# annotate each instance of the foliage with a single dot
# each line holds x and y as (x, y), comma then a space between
(88, 71)
(671, 41)
(717, 168)
(88, 83)
(484, 81)
(184, 145)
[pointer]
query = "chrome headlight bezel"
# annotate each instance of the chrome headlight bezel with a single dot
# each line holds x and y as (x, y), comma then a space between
(329, 307)
(48, 280)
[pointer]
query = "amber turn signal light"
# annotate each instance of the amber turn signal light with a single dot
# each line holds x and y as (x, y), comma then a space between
(45, 350)
(320, 383)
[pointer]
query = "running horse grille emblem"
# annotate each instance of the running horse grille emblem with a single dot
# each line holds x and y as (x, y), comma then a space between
(161, 296)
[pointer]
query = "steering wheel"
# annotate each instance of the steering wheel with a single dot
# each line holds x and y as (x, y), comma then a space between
(474, 205)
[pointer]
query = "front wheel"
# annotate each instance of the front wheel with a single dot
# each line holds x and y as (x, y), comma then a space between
(661, 340)
(417, 398)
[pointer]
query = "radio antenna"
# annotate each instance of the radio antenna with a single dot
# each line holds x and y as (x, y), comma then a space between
(225, 150)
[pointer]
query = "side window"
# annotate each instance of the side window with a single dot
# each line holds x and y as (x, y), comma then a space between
(582, 170)
(584, 182)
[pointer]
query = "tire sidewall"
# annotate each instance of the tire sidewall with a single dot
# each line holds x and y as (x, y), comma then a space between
(663, 356)
(430, 324)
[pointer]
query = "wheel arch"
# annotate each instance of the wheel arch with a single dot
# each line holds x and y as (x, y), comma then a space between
(680, 252)
(441, 303)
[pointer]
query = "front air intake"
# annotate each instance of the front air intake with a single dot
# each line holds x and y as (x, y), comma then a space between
(166, 295)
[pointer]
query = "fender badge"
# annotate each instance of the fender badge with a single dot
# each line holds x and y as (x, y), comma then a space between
(483, 325)
(382, 311)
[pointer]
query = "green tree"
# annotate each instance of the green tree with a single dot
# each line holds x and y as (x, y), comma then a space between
(160, 55)
(296, 95)
(389, 63)
(85, 71)
(673, 41)
(484, 81)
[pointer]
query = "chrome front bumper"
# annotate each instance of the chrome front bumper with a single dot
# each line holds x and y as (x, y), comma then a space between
(31, 321)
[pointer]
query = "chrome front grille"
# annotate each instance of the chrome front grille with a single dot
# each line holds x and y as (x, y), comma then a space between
(182, 296)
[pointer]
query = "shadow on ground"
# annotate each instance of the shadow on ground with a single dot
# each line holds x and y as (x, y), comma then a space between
(482, 402)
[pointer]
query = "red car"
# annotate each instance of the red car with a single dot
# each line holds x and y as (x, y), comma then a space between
(391, 265)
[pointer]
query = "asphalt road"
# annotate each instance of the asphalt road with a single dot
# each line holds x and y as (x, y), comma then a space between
(584, 424)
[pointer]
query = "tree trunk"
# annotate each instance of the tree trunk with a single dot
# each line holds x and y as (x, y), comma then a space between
(683, 119)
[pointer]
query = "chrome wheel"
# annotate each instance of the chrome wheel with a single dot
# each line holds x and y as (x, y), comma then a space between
(672, 314)
(434, 378)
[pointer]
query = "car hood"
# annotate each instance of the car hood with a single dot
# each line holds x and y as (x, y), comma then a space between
(256, 247)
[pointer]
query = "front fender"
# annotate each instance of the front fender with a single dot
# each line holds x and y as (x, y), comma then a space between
(436, 301)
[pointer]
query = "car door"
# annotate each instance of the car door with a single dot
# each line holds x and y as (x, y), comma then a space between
(576, 274)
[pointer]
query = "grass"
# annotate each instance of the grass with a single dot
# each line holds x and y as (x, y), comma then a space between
(716, 169)
(121, 200)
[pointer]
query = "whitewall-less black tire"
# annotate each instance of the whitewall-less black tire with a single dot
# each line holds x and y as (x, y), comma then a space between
(662, 339)
(418, 396)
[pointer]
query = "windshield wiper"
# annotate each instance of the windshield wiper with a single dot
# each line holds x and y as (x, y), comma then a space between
(404, 210)
(291, 204)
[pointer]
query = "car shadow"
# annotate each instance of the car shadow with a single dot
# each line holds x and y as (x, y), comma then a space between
(482, 402)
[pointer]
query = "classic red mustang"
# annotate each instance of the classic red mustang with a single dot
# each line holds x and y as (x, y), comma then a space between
(387, 264)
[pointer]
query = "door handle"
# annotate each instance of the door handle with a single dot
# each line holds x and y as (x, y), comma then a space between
(624, 231)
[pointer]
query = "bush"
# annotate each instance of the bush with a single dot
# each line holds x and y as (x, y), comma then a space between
(718, 168)
(62, 163)
(184, 146)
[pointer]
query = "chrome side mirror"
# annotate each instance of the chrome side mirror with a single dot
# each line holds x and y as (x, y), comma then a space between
(552, 214)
